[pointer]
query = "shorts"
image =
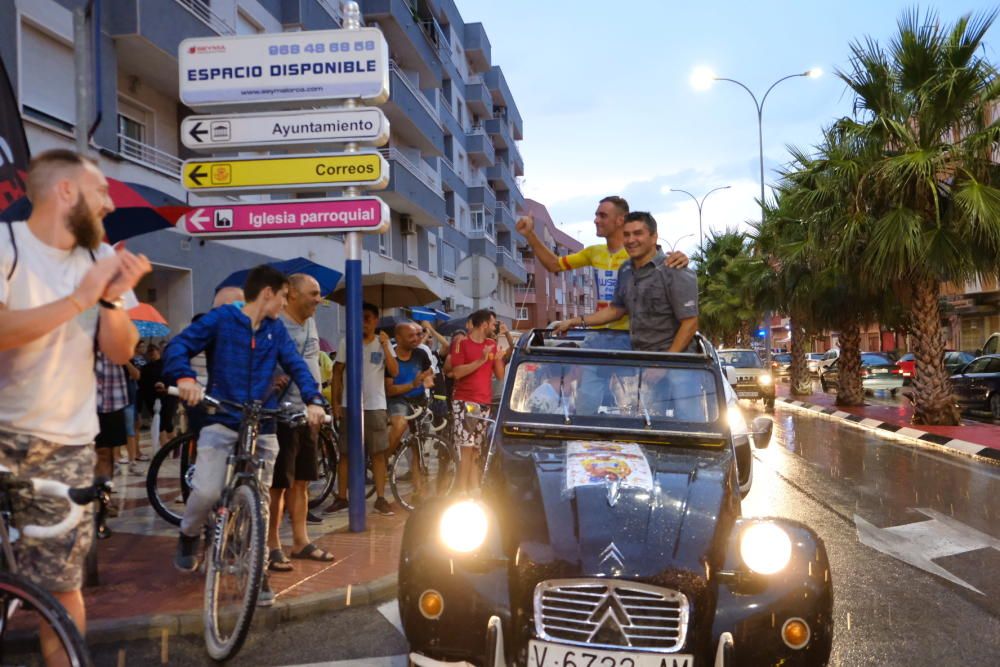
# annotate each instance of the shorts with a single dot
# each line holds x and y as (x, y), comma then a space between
(168, 410)
(55, 564)
(296, 456)
(469, 432)
(112, 425)
(374, 432)
(403, 407)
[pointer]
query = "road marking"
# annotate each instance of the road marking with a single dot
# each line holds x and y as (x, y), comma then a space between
(918, 544)
(390, 610)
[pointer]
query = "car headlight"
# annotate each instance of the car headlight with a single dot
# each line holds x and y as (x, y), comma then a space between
(463, 526)
(737, 423)
(765, 379)
(765, 547)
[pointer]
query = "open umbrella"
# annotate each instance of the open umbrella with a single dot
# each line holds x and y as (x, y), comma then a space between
(148, 321)
(139, 209)
(390, 290)
(325, 276)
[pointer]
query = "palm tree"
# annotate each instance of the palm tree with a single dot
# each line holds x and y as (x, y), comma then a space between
(930, 210)
(724, 311)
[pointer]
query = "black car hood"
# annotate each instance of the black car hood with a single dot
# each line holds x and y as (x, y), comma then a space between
(680, 525)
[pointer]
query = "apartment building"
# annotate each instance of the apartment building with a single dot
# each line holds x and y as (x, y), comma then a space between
(546, 296)
(453, 151)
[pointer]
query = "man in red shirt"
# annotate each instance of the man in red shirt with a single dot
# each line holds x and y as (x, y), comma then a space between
(473, 362)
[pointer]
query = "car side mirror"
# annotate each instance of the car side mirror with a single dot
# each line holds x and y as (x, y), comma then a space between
(731, 375)
(761, 429)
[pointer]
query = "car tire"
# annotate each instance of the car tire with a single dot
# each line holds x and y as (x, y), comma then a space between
(995, 405)
(894, 392)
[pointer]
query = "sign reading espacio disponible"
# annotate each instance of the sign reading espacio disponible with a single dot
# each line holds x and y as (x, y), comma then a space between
(318, 216)
(279, 68)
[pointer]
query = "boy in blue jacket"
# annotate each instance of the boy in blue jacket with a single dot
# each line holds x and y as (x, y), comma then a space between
(246, 344)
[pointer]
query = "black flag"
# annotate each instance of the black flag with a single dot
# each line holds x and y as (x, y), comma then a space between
(14, 154)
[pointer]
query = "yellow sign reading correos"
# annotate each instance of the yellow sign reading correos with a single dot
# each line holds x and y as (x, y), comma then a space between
(286, 172)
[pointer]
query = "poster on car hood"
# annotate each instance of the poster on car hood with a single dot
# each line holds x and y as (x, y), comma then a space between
(600, 463)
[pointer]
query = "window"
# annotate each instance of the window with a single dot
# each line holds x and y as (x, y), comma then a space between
(478, 220)
(131, 129)
(411, 249)
(385, 243)
(448, 262)
(432, 254)
(522, 313)
(48, 84)
(245, 25)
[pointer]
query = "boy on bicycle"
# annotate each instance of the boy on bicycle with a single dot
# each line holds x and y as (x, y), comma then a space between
(246, 345)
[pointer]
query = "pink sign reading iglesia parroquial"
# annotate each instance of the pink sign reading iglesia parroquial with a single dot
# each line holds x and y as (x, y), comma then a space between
(316, 216)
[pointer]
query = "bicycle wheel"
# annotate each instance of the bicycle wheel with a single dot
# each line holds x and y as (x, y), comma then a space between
(24, 610)
(233, 572)
(169, 477)
(327, 459)
(435, 477)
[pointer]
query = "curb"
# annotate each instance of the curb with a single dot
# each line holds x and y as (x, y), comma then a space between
(895, 431)
(158, 626)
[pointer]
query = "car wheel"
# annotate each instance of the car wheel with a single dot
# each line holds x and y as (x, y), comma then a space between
(995, 405)
(894, 393)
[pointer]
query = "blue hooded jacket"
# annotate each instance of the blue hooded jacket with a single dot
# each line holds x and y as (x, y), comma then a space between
(241, 362)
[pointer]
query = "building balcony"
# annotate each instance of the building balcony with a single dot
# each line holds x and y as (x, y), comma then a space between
(478, 98)
(149, 157)
(502, 97)
(499, 130)
(480, 148)
(504, 217)
(524, 295)
(516, 161)
(411, 115)
(450, 180)
(511, 267)
(413, 189)
(502, 178)
(477, 47)
(414, 46)
(483, 246)
(482, 195)
(447, 116)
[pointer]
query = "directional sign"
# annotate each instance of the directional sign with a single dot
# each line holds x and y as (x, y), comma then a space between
(286, 172)
(270, 130)
(302, 217)
(284, 67)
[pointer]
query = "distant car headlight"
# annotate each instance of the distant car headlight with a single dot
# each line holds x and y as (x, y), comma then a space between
(765, 379)
(463, 526)
(765, 547)
(737, 423)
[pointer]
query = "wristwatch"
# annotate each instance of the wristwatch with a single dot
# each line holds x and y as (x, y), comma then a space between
(117, 304)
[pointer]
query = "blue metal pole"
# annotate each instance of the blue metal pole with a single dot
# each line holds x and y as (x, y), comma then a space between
(355, 379)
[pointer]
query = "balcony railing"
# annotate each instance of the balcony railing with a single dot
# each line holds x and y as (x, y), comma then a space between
(148, 156)
(201, 9)
(424, 177)
(423, 101)
(444, 103)
(526, 291)
(516, 258)
(333, 10)
(483, 230)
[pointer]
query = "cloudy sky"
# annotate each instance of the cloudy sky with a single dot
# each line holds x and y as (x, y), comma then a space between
(608, 108)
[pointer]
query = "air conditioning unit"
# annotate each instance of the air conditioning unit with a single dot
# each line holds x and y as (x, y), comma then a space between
(449, 304)
(406, 225)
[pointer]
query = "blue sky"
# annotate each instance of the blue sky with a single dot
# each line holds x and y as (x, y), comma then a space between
(608, 107)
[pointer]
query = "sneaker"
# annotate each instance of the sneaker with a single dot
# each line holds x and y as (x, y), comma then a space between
(265, 598)
(136, 469)
(339, 505)
(186, 559)
(123, 460)
(312, 519)
(382, 507)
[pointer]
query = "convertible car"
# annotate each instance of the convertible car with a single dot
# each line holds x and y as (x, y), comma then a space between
(614, 538)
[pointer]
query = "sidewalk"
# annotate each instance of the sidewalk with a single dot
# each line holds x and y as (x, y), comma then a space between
(141, 594)
(971, 437)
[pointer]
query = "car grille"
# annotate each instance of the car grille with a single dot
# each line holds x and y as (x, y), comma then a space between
(613, 614)
(746, 379)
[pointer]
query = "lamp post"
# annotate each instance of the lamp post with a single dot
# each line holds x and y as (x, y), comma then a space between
(700, 204)
(702, 79)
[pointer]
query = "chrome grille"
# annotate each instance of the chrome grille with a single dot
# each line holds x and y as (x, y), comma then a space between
(606, 613)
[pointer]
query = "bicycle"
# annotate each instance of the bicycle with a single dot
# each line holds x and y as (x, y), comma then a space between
(24, 606)
(435, 459)
(235, 545)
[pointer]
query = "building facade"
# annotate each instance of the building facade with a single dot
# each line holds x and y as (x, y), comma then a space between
(453, 151)
(547, 297)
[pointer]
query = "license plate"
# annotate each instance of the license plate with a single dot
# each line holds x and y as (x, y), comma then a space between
(746, 394)
(880, 373)
(545, 654)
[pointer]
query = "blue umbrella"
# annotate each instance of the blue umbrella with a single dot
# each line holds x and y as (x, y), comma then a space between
(152, 329)
(325, 276)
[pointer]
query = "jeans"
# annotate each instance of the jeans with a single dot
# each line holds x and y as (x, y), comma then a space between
(215, 443)
(595, 378)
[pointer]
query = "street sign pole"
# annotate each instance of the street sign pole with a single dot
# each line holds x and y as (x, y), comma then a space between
(354, 348)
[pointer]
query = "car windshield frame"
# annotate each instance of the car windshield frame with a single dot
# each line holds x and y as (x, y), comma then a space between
(744, 355)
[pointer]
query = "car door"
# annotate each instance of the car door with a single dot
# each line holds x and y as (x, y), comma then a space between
(969, 382)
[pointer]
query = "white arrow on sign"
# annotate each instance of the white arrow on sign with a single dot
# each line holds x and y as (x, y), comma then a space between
(198, 218)
(919, 543)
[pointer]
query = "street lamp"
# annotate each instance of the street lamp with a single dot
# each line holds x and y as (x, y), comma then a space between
(702, 78)
(700, 203)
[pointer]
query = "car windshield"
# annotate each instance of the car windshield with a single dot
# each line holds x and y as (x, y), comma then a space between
(907, 357)
(869, 359)
(814, 356)
(740, 359)
(783, 358)
(654, 393)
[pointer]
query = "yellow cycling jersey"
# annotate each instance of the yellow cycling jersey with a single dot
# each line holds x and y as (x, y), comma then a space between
(605, 265)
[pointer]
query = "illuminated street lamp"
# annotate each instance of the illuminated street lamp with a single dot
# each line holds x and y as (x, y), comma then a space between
(700, 203)
(702, 78)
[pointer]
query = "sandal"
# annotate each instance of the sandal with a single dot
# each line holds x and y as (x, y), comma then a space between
(313, 552)
(279, 562)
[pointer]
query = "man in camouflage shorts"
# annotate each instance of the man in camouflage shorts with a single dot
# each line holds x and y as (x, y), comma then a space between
(63, 295)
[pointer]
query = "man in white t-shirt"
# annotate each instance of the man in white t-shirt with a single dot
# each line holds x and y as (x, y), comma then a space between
(379, 361)
(59, 288)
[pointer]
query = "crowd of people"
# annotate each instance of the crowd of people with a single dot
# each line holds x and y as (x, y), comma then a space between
(77, 384)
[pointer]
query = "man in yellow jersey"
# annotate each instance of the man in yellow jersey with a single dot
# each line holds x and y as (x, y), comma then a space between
(604, 259)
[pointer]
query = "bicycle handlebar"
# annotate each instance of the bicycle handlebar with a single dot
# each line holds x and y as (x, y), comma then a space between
(76, 497)
(270, 412)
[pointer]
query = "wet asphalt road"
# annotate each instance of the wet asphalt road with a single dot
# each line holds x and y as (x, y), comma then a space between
(817, 471)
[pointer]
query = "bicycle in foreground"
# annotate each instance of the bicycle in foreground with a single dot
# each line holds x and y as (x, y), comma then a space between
(424, 466)
(236, 540)
(25, 608)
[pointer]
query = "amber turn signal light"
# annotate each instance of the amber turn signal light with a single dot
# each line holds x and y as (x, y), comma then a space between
(795, 633)
(431, 604)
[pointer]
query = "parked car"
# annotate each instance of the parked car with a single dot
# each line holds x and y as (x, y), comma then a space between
(753, 380)
(613, 538)
(977, 385)
(954, 361)
(829, 357)
(813, 360)
(992, 344)
(781, 364)
(878, 373)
